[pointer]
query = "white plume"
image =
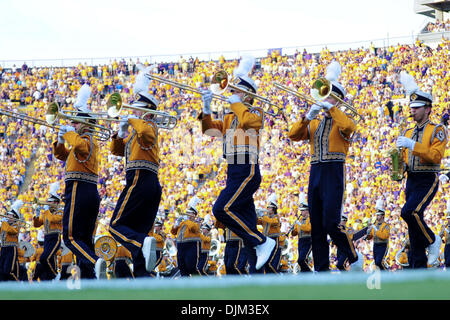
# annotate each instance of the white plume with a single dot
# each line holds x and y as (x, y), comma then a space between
(245, 66)
(194, 202)
(333, 71)
(408, 82)
(302, 198)
(379, 205)
(141, 83)
(83, 96)
(17, 205)
(273, 199)
(54, 187)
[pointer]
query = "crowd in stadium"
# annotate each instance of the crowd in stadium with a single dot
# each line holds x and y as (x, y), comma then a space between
(191, 163)
(438, 26)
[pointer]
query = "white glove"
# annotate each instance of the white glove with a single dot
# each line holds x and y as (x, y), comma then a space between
(234, 99)
(123, 128)
(69, 128)
(313, 111)
(326, 105)
(206, 99)
(62, 131)
(443, 178)
(46, 207)
(132, 116)
(405, 142)
(4, 220)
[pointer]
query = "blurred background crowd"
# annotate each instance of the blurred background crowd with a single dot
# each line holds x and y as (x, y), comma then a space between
(191, 163)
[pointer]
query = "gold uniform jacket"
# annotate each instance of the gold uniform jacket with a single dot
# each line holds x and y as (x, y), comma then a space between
(81, 159)
(271, 226)
(140, 148)
(9, 235)
(52, 221)
(187, 231)
(428, 150)
(381, 235)
(329, 138)
(303, 228)
(239, 130)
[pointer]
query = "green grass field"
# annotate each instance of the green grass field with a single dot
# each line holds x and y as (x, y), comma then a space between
(400, 285)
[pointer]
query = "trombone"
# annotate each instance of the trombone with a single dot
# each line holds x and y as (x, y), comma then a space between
(307, 98)
(322, 89)
(16, 219)
(163, 119)
(221, 82)
(53, 113)
(183, 86)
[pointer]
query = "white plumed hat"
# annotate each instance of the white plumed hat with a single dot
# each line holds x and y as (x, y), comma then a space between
(192, 206)
(241, 74)
(417, 98)
(53, 193)
(141, 86)
(83, 96)
(379, 206)
(333, 72)
(273, 202)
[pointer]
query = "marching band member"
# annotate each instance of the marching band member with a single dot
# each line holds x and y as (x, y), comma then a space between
(302, 228)
(205, 237)
(379, 232)
(138, 203)
(423, 149)
(271, 228)
(240, 129)
(187, 233)
(330, 140)
(51, 219)
(341, 256)
(235, 254)
(157, 233)
(82, 200)
(9, 264)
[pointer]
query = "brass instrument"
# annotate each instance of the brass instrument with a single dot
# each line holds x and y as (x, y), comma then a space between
(221, 82)
(322, 89)
(106, 247)
(28, 248)
(182, 86)
(307, 98)
(397, 162)
(53, 113)
(16, 219)
(163, 119)
(215, 248)
(27, 118)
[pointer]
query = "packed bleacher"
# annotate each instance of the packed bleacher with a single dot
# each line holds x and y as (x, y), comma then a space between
(191, 163)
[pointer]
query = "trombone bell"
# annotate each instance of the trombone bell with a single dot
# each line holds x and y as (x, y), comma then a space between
(114, 104)
(220, 82)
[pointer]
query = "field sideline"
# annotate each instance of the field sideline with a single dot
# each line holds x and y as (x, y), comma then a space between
(400, 285)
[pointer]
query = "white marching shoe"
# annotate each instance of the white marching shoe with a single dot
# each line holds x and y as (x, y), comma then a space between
(263, 252)
(434, 250)
(100, 269)
(149, 252)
